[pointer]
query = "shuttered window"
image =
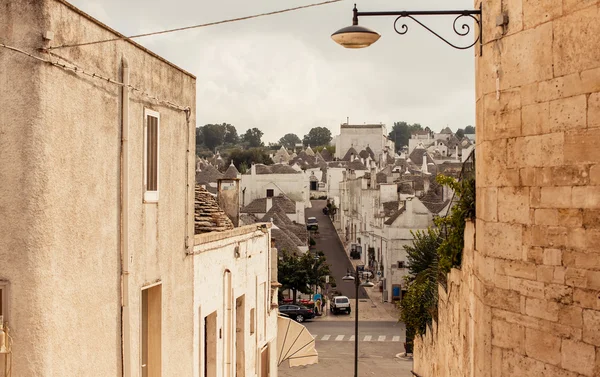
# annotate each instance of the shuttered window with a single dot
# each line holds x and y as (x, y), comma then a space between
(151, 155)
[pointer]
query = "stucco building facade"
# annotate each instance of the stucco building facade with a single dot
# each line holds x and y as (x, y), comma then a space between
(360, 137)
(96, 181)
(526, 299)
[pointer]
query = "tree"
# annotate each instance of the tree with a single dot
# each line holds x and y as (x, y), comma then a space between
(213, 136)
(289, 141)
(317, 136)
(231, 135)
(401, 132)
(469, 130)
(244, 158)
(460, 133)
(253, 137)
(293, 274)
(317, 268)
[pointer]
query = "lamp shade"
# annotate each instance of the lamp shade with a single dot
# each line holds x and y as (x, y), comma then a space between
(355, 36)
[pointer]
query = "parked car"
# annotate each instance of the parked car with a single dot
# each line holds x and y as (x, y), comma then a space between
(312, 223)
(340, 304)
(298, 313)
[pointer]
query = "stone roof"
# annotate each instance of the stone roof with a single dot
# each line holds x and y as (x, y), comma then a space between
(231, 172)
(389, 208)
(275, 169)
(356, 165)
(326, 155)
(370, 151)
(395, 216)
(364, 154)
(208, 216)
(337, 164)
(434, 202)
(416, 156)
(446, 131)
(248, 219)
(309, 151)
(260, 205)
(281, 155)
(381, 177)
(348, 156)
(208, 174)
(283, 241)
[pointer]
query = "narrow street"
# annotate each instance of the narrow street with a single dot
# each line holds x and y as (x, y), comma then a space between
(330, 244)
(379, 343)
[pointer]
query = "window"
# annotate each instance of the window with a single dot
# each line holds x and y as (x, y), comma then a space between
(152, 331)
(4, 300)
(252, 321)
(270, 193)
(151, 154)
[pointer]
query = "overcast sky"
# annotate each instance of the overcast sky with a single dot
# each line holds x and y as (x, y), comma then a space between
(283, 73)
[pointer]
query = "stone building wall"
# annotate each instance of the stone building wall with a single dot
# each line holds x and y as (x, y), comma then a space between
(533, 292)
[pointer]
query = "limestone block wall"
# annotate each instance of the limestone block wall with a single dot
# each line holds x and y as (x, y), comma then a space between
(536, 267)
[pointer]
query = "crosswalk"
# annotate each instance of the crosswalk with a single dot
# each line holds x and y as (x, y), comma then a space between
(362, 338)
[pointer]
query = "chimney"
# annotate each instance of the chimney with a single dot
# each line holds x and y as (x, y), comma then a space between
(351, 157)
(456, 153)
(373, 178)
(269, 204)
(408, 205)
(424, 167)
(228, 197)
(344, 175)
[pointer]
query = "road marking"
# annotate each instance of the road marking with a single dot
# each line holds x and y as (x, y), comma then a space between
(367, 338)
(381, 338)
(351, 338)
(326, 337)
(396, 339)
(339, 337)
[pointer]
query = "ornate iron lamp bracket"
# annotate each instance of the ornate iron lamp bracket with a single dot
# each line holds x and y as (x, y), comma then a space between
(461, 30)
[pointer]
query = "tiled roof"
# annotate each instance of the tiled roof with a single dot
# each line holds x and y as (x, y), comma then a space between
(349, 154)
(209, 217)
(208, 174)
(395, 216)
(260, 205)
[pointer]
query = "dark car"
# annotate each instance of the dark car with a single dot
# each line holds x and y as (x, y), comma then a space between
(312, 223)
(297, 312)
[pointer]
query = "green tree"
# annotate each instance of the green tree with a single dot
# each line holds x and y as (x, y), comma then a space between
(213, 136)
(253, 137)
(317, 268)
(469, 130)
(231, 135)
(317, 136)
(401, 132)
(244, 158)
(293, 274)
(290, 140)
(460, 133)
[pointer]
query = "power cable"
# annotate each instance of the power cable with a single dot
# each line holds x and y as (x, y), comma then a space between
(194, 26)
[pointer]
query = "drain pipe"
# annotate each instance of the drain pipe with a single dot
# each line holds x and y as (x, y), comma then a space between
(125, 325)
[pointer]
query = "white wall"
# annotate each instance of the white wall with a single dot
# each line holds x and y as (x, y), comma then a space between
(360, 138)
(294, 186)
(251, 271)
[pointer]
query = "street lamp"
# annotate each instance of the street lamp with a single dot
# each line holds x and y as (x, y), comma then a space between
(353, 277)
(356, 36)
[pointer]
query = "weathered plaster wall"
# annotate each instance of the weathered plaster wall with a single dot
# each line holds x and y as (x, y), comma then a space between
(294, 186)
(61, 188)
(360, 137)
(535, 278)
(214, 254)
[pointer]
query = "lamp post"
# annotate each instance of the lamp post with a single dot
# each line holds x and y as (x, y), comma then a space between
(356, 36)
(353, 277)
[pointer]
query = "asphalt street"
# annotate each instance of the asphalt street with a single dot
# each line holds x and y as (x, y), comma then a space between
(376, 356)
(329, 242)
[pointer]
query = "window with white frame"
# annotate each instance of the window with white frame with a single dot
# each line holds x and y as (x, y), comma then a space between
(151, 154)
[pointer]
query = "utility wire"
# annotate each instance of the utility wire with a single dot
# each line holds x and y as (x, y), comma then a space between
(81, 71)
(194, 26)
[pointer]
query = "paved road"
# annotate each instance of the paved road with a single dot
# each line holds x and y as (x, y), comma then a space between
(336, 357)
(367, 331)
(329, 242)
